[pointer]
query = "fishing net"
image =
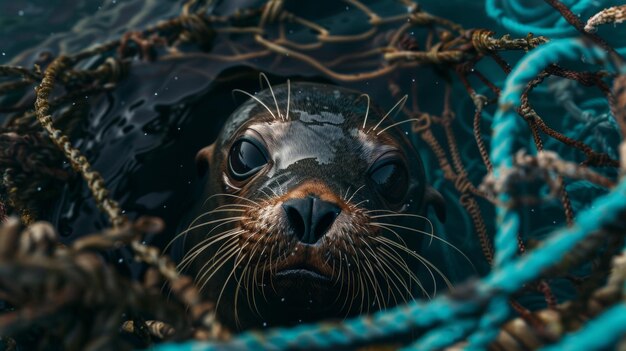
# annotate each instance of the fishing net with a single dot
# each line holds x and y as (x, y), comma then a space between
(521, 132)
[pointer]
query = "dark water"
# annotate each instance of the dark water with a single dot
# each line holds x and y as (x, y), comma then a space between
(142, 136)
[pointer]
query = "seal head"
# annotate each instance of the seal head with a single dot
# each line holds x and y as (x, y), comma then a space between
(313, 207)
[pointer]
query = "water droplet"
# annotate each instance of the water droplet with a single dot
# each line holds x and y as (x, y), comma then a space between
(38, 188)
(155, 94)
(265, 324)
(120, 260)
(282, 299)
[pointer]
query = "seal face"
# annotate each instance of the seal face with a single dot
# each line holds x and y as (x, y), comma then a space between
(312, 208)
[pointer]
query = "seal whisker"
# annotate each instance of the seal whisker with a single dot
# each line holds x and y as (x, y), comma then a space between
(225, 219)
(397, 214)
(205, 244)
(384, 264)
(347, 280)
(263, 76)
(424, 262)
(365, 293)
(192, 255)
(213, 269)
(267, 196)
(218, 209)
(432, 231)
(367, 111)
(356, 191)
(288, 98)
(356, 206)
(217, 258)
(280, 187)
(401, 102)
(252, 254)
(419, 257)
(402, 262)
(256, 286)
(237, 321)
(392, 258)
(397, 123)
(230, 275)
(257, 99)
(378, 264)
(233, 196)
(371, 276)
(344, 197)
(432, 235)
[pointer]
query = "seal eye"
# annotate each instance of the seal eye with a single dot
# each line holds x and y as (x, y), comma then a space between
(246, 158)
(391, 179)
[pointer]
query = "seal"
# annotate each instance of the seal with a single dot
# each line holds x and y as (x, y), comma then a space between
(312, 207)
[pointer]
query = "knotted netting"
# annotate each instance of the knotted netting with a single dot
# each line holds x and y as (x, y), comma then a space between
(530, 130)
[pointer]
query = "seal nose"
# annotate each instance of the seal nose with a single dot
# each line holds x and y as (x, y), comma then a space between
(310, 217)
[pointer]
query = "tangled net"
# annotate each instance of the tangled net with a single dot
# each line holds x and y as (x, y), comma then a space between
(82, 301)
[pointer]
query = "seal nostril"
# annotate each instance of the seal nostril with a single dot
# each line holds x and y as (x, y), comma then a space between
(324, 223)
(296, 221)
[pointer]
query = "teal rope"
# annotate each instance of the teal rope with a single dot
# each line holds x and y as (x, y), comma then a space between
(598, 334)
(522, 18)
(507, 125)
(444, 336)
